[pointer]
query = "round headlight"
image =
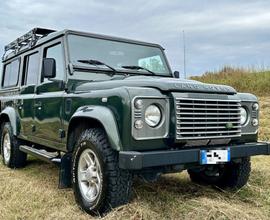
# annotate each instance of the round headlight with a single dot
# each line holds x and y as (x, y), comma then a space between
(152, 115)
(244, 115)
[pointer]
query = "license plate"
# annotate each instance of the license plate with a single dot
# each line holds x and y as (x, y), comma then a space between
(215, 156)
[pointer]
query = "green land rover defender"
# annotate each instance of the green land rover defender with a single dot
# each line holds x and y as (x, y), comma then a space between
(106, 109)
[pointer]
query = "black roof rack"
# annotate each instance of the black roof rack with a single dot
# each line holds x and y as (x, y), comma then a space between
(29, 39)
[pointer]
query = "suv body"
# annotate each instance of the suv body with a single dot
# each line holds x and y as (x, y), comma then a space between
(58, 95)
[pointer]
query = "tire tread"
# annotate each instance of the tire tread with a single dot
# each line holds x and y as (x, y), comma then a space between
(235, 177)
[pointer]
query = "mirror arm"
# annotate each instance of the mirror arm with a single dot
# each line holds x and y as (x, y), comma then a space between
(70, 68)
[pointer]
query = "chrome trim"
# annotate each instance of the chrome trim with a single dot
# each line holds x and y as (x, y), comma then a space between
(196, 99)
(158, 132)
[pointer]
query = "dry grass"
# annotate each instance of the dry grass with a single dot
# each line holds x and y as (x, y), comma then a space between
(264, 131)
(244, 80)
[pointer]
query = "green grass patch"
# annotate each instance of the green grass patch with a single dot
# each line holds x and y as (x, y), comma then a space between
(243, 80)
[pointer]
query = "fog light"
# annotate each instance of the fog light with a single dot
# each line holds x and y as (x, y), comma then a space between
(138, 124)
(255, 122)
(255, 106)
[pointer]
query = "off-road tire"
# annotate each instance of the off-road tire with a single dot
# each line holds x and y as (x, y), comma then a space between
(233, 175)
(117, 183)
(1, 129)
(17, 157)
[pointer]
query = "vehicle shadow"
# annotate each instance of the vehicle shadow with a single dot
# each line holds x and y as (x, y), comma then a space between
(175, 184)
(178, 188)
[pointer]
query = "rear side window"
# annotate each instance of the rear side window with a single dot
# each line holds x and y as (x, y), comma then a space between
(32, 69)
(11, 74)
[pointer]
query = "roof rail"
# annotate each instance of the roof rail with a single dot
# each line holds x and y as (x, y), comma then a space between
(29, 39)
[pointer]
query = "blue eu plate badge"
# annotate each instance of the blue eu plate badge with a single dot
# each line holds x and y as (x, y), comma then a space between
(215, 156)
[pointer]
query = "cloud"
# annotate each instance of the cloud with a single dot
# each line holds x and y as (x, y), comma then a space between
(217, 32)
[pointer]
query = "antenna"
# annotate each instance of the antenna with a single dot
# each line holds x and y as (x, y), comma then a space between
(184, 50)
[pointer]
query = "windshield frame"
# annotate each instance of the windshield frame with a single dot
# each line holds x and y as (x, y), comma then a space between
(121, 40)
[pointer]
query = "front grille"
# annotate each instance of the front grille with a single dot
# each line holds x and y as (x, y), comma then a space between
(207, 118)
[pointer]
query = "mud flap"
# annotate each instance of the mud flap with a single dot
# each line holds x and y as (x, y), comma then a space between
(65, 171)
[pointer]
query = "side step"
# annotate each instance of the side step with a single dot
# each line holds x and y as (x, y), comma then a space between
(41, 154)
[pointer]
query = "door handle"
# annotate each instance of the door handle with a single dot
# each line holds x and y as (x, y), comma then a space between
(18, 105)
(38, 105)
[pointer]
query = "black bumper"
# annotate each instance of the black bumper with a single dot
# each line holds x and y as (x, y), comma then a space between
(133, 160)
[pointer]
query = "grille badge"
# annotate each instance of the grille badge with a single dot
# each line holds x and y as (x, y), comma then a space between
(229, 125)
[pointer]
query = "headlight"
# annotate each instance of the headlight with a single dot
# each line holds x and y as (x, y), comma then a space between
(152, 115)
(244, 115)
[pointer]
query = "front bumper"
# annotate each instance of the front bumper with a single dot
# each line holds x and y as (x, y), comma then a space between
(134, 160)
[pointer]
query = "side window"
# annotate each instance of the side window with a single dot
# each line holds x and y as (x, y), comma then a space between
(56, 52)
(11, 74)
(32, 69)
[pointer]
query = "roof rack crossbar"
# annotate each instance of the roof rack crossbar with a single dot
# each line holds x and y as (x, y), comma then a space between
(30, 39)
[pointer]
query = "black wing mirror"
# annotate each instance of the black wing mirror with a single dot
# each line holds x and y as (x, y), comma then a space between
(48, 68)
(176, 74)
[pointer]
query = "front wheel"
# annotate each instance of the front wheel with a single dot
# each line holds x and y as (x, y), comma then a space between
(232, 175)
(11, 154)
(98, 182)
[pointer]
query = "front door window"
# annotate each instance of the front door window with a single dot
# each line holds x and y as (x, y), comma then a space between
(56, 52)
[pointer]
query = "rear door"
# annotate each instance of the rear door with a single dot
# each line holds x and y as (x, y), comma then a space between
(31, 69)
(49, 100)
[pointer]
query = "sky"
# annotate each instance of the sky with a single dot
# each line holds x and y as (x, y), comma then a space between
(217, 32)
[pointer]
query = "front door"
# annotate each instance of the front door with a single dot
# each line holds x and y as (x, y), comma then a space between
(49, 101)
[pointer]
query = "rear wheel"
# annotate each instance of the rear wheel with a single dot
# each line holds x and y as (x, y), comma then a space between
(232, 175)
(11, 154)
(98, 182)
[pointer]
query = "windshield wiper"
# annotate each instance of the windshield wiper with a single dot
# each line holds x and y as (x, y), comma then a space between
(97, 63)
(138, 68)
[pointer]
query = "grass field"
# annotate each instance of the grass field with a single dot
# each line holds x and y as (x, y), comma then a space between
(244, 80)
(32, 193)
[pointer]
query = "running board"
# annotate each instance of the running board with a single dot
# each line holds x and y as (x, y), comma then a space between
(41, 154)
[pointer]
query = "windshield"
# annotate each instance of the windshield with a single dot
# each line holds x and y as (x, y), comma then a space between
(117, 54)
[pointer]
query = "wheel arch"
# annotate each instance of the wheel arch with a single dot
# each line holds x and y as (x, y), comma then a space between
(9, 115)
(94, 116)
